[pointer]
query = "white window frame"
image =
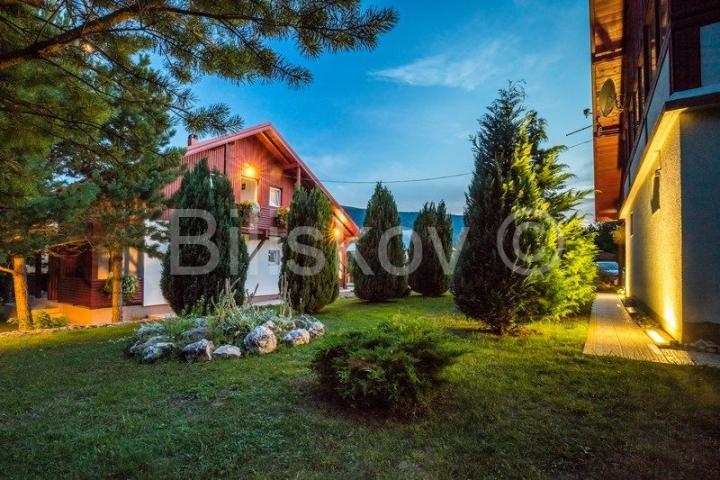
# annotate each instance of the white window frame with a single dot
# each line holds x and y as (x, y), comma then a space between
(275, 191)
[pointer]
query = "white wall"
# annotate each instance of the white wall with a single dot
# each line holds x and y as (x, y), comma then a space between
(260, 273)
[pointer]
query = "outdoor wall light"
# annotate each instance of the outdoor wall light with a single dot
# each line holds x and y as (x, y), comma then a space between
(656, 337)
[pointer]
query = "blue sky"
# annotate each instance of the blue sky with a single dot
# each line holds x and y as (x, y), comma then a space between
(406, 109)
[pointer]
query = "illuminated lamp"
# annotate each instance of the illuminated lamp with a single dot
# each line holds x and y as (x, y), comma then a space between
(249, 171)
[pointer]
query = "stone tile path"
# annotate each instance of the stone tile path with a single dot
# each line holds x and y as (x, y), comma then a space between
(613, 333)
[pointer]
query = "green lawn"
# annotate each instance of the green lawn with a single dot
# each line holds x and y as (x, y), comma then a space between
(523, 407)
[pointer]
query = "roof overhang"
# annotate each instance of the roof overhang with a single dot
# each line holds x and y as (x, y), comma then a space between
(606, 29)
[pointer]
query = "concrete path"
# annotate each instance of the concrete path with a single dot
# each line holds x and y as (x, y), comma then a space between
(613, 333)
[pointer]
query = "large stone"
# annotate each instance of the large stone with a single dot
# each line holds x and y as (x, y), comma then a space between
(227, 352)
(260, 340)
(156, 351)
(296, 337)
(138, 347)
(150, 329)
(200, 350)
(194, 334)
(316, 329)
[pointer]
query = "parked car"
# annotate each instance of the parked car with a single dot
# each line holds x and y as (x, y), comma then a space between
(609, 273)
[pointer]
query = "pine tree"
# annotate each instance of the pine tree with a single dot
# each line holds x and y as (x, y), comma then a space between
(430, 278)
(310, 293)
(57, 58)
(130, 172)
(374, 281)
(212, 192)
(487, 286)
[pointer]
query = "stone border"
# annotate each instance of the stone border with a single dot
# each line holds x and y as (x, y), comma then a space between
(67, 328)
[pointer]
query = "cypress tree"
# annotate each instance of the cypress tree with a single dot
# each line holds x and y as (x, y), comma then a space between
(310, 293)
(374, 282)
(211, 191)
(430, 278)
(487, 286)
(569, 288)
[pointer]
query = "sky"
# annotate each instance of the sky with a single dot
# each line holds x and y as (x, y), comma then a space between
(406, 110)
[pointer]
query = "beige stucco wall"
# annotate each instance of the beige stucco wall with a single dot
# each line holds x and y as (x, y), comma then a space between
(654, 234)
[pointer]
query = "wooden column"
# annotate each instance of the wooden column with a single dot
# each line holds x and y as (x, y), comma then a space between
(298, 177)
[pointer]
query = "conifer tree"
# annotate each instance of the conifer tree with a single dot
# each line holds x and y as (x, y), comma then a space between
(430, 278)
(487, 286)
(569, 288)
(212, 192)
(130, 173)
(310, 293)
(374, 281)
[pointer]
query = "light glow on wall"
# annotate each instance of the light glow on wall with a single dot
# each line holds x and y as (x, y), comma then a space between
(249, 171)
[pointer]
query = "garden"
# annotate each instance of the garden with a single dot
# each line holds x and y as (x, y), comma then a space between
(527, 406)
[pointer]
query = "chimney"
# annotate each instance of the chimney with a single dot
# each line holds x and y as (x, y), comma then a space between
(192, 139)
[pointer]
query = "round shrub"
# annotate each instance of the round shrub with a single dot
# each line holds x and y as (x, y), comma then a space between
(394, 366)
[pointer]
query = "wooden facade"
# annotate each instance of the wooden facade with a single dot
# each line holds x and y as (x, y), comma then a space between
(258, 154)
(629, 41)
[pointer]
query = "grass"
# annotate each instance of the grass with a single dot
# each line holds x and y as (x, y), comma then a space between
(523, 407)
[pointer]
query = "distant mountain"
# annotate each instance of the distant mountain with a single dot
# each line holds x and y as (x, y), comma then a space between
(407, 219)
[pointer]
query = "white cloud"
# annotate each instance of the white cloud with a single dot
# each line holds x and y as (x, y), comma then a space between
(466, 70)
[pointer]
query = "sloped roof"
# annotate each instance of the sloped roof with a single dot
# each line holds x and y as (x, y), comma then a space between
(271, 138)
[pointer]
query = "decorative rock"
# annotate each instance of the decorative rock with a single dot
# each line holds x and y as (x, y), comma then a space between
(296, 337)
(200, 350)
(141, 344)
(150, 329)
(316, 329)
(195, 334)
(227, 351)
(260, 340)
(156, 351)
(270, 325)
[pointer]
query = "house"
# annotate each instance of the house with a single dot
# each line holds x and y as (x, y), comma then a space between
(656, 106)
(263, 169)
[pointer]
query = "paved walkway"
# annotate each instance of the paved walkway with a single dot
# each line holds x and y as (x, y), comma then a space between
(613, 333)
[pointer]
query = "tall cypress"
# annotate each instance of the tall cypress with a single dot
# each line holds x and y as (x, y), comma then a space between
(487, 286)
(374, 282)
(309, 293)
(430, 278)
(211, 191)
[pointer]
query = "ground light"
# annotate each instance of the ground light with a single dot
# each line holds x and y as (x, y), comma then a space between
(656, 337)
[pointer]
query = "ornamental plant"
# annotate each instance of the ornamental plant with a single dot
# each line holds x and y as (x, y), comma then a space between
(395, 366)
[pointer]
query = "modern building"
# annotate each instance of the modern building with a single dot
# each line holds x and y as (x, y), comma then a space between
(656, 108)
(264, 170)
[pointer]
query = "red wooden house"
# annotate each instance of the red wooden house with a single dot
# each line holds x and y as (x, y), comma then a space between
(263, 169)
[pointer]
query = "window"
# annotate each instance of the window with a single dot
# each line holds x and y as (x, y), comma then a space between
(274, 257)
(275, 197)
(710, 54)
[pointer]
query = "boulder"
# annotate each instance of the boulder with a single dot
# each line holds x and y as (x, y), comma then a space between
(150, 329)
(270, 325)
(260, 340)
(227, 352)
(194, 334)
(296, 337)
(316, 329)
(138, 347)
(156, 351)
(200, 350)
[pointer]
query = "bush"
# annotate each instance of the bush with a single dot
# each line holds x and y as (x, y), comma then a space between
(128, 288)
(394, 366)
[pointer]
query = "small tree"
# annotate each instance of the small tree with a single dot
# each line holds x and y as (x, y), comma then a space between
(212, 192)
(374, 281)
(309, 291)
(430, 278)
